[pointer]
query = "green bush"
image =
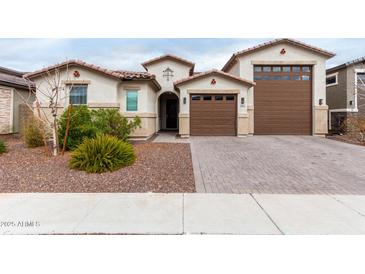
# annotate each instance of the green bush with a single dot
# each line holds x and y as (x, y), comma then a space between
(102, 153)
(2, 147)
(111, 122)
(33, 132)
(81, 127)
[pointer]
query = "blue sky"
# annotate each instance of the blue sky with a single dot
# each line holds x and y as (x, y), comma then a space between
(32, 54)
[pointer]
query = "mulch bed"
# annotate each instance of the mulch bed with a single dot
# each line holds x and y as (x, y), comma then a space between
(160, 167)
(345, 139)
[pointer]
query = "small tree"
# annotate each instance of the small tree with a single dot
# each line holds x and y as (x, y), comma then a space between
(80, 126)
(50, 92)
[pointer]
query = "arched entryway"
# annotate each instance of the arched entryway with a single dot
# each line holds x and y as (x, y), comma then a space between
(168, 103)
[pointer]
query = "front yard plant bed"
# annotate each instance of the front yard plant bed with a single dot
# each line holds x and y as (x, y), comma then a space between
(345, 139)
(159, 167)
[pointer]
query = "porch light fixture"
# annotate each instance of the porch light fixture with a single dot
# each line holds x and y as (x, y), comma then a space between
(184, 100)
(351, 103)
(243, 101)
(320, 102)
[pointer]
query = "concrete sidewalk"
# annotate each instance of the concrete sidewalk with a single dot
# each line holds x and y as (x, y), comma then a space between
(154, 213)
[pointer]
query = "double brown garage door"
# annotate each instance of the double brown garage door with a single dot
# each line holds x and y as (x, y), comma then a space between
(213, 114)
(283, 100)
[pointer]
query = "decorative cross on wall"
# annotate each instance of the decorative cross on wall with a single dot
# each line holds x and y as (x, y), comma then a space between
(168, 73)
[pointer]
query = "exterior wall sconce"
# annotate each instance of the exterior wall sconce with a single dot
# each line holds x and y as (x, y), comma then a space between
(320, 102)
(243, 101)
(351, 103)
(184, 100)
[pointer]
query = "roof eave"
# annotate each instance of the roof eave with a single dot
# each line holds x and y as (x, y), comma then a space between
(216, 72)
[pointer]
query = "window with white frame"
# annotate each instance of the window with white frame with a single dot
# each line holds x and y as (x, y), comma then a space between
(132, 100)
(360, 79)
(78, 95)
(332, 79)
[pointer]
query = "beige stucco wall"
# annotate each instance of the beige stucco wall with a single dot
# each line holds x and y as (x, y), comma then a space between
(203, 85)
(109, 92)
(294, 55)
(180, 71)
(101, 88)
(320, 120)
(146, 106)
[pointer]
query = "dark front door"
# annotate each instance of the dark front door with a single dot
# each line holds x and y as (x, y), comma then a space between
(171, 114)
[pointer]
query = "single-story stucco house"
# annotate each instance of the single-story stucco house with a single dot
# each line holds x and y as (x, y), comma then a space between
(277, 87)
(14, 92)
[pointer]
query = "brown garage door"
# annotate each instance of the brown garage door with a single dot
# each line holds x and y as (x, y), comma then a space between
(213, 114)
(283, 100)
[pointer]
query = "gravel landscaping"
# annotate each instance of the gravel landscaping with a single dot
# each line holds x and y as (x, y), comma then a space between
(345, 139)
(160, 167)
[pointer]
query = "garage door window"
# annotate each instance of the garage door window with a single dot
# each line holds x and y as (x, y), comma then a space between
(230, 97)
(195, 97)
(280, 73)
(207, 98)
(218, 98)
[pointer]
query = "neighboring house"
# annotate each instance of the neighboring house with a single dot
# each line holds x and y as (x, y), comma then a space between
(345, 92)
(14, 91)
(274, 88)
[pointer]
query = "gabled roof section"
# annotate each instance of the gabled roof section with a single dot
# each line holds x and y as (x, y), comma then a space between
(214, 72)
(262, 46)
(170, 57)
(107, 72)
(347, 64)
(118, 74)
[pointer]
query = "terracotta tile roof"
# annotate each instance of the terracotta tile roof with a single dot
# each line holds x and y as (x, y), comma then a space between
(232, 60)
(126, 74)
(344, 65)
(120, 74)
(70, 63)
(172, 57)
(214, 71)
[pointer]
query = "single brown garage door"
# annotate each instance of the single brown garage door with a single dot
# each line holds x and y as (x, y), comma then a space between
(213, 114)
(283, 100)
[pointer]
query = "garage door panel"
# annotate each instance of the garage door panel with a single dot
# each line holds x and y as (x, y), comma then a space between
(214, 118)
(283, 106)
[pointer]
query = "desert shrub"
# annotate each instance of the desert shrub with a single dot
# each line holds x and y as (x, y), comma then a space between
(102, 153)
(81, 127)
(2, 147)
(354, 127)
(111, 122)
(34, 132)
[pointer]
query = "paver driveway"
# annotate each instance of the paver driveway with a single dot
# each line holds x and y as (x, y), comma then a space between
(277, 164)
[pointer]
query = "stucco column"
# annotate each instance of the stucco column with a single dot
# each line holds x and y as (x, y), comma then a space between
(184, 125)
(242, 124)
(320, 120)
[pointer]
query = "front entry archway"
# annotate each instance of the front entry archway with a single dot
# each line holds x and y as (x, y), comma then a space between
(168, 111)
